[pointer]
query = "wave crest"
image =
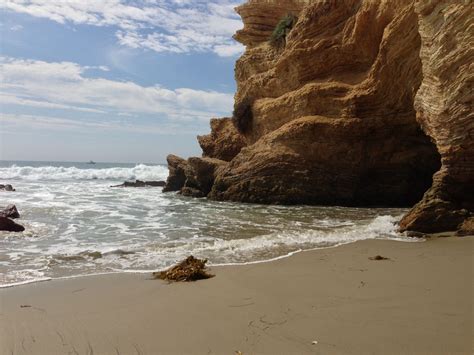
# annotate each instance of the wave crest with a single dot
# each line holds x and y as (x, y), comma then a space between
(29, 173)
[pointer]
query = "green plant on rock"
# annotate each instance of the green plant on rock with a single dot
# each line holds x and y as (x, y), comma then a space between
(282, 29)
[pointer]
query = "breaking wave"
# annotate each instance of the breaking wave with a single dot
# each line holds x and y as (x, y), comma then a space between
(48, 173)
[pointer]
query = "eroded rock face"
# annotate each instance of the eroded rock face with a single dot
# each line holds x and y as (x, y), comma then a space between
(193, 177)
(224, 142)
(177, 176)
(200, 175)
(319, 160)
(444, 105)
(333, 115)
(348, 112)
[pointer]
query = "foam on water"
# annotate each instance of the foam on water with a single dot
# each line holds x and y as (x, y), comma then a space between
(45, 173)
(76, 224)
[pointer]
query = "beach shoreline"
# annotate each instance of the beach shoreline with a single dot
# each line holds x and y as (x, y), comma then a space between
(326, 301)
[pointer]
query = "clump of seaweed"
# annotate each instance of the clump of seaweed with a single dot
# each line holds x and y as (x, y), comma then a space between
(242, 116)
(278, 37)
(190, 269)
(378, 258)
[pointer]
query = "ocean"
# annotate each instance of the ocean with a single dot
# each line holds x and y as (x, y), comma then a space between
(77, 224)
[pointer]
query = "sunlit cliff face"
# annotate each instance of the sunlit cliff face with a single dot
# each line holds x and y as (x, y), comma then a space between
(334, 119)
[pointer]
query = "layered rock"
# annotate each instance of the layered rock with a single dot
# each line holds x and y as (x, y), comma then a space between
(319, 160)
(177, 176)
(193, 177)
(200, 176)
(331, 117)
(444, 105)
(224, 142)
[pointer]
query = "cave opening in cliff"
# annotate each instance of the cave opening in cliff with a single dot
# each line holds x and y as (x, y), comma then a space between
(399, 175)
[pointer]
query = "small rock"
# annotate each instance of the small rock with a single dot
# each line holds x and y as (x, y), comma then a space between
(7, 187)
(10, 211)
(139, 183)
(8, 225)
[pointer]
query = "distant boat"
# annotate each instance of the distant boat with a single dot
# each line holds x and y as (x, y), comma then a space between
(91, 162)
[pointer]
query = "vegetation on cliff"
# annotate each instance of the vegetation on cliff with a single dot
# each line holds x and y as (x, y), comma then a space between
(282, 29)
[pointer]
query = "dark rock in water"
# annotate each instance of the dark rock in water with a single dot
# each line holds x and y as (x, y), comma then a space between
(7, 187)
(8, 225)
(177, 175)
(10, 211)
(191, 192)
(139, 183)
(155, 183)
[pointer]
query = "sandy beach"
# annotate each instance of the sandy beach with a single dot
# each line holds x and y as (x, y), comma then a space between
(418, 302)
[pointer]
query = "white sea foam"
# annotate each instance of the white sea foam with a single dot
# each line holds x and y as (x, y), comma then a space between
(71, 214)
(45, 173)
(221, 251)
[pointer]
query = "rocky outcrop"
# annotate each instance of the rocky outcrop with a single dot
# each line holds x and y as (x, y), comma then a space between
(200, 176)
(10, 212)
(444, 105)
(177, 176)
(193, 177)
(139, 183)
(224, 142)
(8, 225)
(360, 106)
(318, 160)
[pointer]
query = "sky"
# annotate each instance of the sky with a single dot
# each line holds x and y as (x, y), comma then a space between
(113, 80)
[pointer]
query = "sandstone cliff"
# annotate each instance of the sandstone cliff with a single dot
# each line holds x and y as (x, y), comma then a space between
(359, 103)
(444, 105)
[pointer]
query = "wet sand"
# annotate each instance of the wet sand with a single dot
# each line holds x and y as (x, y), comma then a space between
(418, 302)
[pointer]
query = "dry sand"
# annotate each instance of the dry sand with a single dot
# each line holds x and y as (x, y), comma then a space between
(419, 302)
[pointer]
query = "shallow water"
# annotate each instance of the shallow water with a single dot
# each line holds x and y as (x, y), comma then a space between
(76, 224)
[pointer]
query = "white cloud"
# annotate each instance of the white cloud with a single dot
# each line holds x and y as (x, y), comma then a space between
(228, 50)
(20, 122)
(7, 99)
(177, 26)
(64, 86)
(16, 28)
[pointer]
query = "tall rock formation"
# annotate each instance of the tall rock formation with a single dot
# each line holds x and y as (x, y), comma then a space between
(444, 105)
(343, 109)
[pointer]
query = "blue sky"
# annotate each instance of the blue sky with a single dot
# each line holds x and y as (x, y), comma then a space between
(113, 80)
